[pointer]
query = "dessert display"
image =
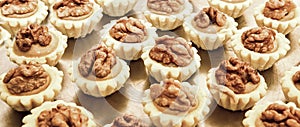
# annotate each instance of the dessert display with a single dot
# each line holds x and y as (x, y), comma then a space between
(37, 44)
(4, 36)
(235, 85)
(59, 114)
(233, 8)
(29, 85)
(167, 14)
(99, 72)
(171, 57)
(210, 28)
(290, 85)
(281, 15)
(116, 8)
(273, 114)
(16, 14)
(261, 47)
(75, 18)
(128, 37)
(127, 120)
(175, 104)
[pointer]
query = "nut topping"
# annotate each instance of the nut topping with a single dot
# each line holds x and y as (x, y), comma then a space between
(236, 74)
(128, 121)
(172, 51)
(165, 7)
(15, 8)
(73, 8)
(34, 34)
(62, 116)
(172, 97)
(278, 115)
(98, 60)
(209, 16)
(278, 9)
(296, 77)
(128, 30)
(26, 79)
(260, 39)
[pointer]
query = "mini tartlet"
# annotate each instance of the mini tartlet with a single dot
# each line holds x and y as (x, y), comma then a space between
(99, 72)
(28, 86)
(233, 8)
(261, 47)
(175, 104)
(209, 29)
(171, 57)
(167, 15)
(116, 8)
(273, 114)
(75, 18)
(290, 85)
(36, 44)
(16, 14)
(128, 37)
(281, 15)
(235, 85)
(59, 114)
(127, 120)
(4, 36)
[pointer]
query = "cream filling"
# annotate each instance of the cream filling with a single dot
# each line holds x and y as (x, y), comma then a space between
(38, 51)
(234, 1)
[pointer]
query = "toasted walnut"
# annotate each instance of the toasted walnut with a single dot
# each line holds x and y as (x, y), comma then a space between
(73, 8)
(25, 79)
(165, 6)
(278, 9)
(62, 116)
(209, 16)
(260, 39)
(172, 51)
(97, 60)
(17, 7)
(278, 115)
(34, 34)
(128, 121)
(172, 97)
(236, 74)
(128, 30)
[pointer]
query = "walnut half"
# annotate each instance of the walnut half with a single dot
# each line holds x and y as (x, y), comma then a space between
(73, 8)
(128, 121)
(165, 6)
(17, 7)
(209, 16)
(278, 9)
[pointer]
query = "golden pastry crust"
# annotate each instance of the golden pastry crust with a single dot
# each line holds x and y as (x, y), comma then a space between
(209, 41)
(101, 88)
(31, 119)
(289, 89)
(226, 98)
(12, 25)
(26, 103)
(76, 28)
(116, 8)
(128, 51)
(284, 27)
(233, 10)
(168, 22)
(4, 36)
(190, 119)
(50, 59)
(260, 61)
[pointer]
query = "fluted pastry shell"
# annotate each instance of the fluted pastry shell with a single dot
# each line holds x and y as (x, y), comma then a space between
(259, 61)
(12, 25)
(116, 8)
(31, 119)
(168, 22)
(284, 27)
(161, 72)
(226, 98)
(291, 93)
(76, 28)
(4, 36)
(101, 88)
(26, 103)
(233, 10)
(50, 59)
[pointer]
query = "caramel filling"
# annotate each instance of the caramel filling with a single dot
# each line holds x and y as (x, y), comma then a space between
(73, 9)
(234, 1)
(18, 8)
(165, 7)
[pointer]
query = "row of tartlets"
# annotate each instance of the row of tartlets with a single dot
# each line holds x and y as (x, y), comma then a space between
(235, 84)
